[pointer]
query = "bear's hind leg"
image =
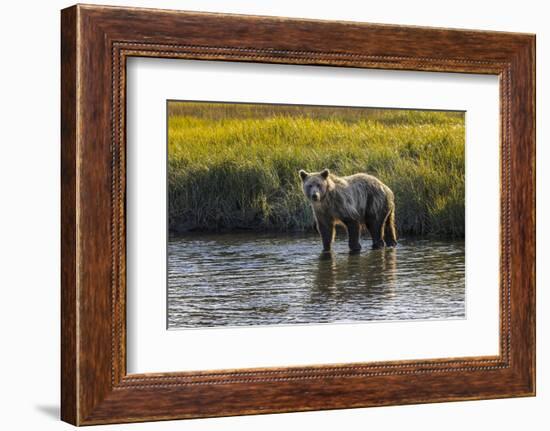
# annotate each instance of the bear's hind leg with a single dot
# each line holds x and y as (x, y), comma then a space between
(391, 235)
(376, 229)
(354, 233)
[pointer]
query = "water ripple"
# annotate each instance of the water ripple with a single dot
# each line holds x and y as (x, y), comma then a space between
(250, 279)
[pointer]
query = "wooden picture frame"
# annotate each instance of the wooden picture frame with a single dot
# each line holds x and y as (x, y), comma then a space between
(95, 43)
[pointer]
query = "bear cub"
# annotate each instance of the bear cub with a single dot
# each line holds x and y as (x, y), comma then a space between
(353, 201)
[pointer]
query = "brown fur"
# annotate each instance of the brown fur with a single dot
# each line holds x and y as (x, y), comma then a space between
(353, 201)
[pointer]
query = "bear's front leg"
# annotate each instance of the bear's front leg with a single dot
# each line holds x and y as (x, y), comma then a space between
(327, 234)
(354, 233)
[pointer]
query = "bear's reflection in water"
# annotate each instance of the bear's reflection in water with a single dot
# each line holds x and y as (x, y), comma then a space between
(366, 279)
(369, 271)
(249, 280)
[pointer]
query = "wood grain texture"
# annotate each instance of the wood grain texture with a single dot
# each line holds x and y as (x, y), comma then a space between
(69, 366)
(96, 41)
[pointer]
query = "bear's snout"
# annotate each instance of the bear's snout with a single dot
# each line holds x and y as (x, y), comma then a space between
(315, 197)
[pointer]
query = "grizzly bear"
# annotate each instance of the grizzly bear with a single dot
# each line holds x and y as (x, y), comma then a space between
(353, 201)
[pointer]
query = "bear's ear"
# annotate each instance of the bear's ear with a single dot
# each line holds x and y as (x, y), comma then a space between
(303, 174)
(325, 173)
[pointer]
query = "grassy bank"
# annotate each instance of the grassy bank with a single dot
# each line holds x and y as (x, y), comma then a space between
(236, 166)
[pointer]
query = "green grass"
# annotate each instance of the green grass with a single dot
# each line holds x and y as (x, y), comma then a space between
(236, 166)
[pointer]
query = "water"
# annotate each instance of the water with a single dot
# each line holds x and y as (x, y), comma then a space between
(251, 279)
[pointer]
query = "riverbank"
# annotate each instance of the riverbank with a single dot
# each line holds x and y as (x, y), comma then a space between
(234, 167)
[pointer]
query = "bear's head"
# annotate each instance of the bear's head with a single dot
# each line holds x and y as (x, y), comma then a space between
(315, 184)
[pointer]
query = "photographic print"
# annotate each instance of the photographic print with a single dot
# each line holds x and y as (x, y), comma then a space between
(295, 214)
